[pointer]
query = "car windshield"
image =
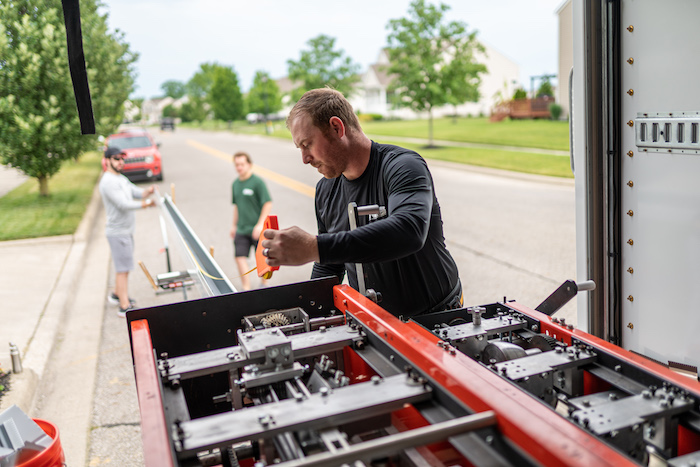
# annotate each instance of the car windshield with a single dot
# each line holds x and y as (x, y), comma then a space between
(130, 142)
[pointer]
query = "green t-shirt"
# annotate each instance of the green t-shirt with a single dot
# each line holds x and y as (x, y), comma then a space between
(249, 196)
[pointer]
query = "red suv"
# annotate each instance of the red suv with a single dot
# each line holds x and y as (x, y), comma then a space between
(143, 160)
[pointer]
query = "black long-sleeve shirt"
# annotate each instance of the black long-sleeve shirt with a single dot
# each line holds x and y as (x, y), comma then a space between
(404, 253)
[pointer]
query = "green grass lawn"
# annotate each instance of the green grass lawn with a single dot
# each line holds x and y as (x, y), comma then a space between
(533, 163)
(25, 214)
(544, 134)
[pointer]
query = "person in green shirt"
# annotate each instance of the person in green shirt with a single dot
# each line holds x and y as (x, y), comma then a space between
(251, 205)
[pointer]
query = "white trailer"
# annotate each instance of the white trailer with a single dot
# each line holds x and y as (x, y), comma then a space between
(636, 157)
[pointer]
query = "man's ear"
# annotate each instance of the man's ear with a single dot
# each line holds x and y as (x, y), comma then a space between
(337, 126)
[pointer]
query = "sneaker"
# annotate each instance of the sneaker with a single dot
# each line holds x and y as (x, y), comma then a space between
(114, 300)
(122, 311)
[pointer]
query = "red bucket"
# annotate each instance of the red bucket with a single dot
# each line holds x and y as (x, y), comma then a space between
(52, 456)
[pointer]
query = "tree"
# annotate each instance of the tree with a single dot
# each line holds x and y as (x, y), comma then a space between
(322, 66)
(432, 63)
(201, 82)
(194, 110)
(545, 89)
(39, 125)
(173, 88)
(264, 97)
(225, 96)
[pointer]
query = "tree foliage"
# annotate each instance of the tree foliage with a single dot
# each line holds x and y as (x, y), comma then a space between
(545, 89)
(194, 110)
(264, 97)
(173, 88)
(201, 82)
(322, 66)
(39, 125)
(432, 62)
(225, 96)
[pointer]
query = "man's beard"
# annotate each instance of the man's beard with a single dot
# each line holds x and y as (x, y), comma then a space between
(114, 168)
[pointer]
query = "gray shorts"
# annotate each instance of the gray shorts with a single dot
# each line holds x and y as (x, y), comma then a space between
(122, 247)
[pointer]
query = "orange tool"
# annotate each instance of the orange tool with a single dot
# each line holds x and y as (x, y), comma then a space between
(264, 270)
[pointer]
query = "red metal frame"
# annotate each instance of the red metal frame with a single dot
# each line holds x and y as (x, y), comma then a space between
(154, 433)
(547, 437)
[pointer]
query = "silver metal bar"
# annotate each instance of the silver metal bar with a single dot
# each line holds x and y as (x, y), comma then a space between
(215, 281)
(359, 269)
(398, 442)
(325, 409)
(303, 345)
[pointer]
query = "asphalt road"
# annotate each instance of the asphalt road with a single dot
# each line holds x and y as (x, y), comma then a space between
(511, 237)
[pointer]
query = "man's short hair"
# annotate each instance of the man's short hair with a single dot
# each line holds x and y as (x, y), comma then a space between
(322, 104)
(243, 154)
(111, 151)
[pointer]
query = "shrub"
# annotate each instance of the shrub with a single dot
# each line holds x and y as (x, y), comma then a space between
(555, 111)
(519, 93)
(369, 117)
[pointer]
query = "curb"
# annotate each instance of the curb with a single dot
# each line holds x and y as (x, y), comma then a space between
(23, 386)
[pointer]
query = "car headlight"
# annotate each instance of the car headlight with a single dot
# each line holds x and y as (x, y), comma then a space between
(149, 159)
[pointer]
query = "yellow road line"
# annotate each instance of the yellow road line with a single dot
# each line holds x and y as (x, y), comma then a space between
(263, 172)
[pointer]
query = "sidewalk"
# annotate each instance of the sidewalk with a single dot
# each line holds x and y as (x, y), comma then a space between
(46, 301)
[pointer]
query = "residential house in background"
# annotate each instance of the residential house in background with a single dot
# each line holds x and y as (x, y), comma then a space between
(152, 109)
(499, 82)
(566, 54)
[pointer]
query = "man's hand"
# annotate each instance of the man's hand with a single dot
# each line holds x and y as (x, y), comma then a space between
(147, 203)
(290, 247)
(233, 232)
(256, 231)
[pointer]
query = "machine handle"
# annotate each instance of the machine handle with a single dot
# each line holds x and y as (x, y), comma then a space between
(264, 270)
(571, 120)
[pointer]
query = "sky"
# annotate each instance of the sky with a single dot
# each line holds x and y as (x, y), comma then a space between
(173, 37)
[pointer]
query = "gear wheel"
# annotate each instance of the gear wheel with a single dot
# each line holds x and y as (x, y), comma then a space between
(543, 342)
(274, 320)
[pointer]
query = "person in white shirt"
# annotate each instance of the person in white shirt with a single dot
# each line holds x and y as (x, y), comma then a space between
(121, 198)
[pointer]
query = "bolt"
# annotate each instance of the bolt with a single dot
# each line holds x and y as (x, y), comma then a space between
(630, 242)
(630, 153)
(322, 329)
(646, 394)
(534, 328)
(376, 380)
(630, 28)
(618, 368)
(323, 391)
(630, 213)
(630, 123)
(630, 270)
(630, 92)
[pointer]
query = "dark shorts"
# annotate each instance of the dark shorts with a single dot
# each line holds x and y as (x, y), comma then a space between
(242, 244)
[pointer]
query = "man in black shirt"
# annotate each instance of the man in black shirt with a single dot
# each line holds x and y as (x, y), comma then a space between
(404, 253)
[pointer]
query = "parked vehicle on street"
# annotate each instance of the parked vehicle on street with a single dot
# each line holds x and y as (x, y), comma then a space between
(167, 123)
(143, 160)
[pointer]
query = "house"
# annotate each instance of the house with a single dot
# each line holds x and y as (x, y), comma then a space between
(566, 54)
(498, 82)
(152, 109)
